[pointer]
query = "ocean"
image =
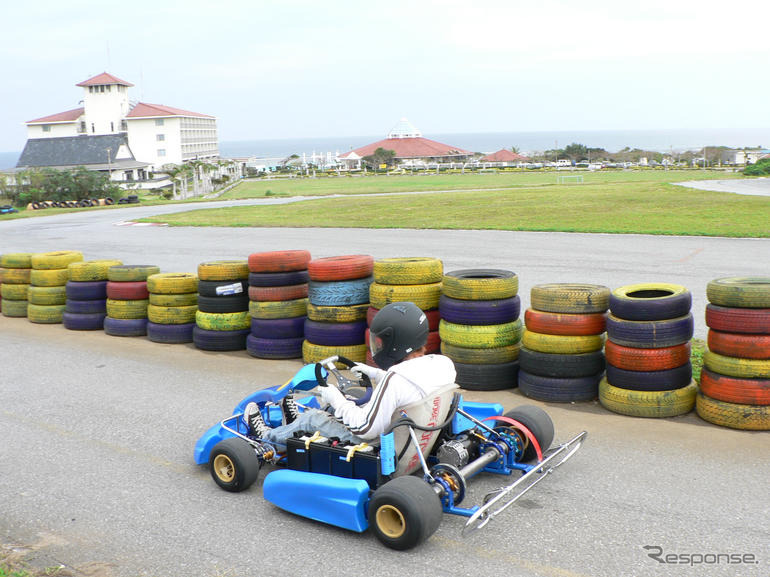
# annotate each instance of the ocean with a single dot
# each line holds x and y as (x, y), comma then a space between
(526, 142)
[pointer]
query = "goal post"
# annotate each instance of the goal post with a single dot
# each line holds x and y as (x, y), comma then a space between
(569, 179)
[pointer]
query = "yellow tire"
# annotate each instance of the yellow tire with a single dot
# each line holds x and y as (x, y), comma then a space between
(127, 309)
(172, 283)
(740, 292)
(408, 271)
(13, 308)
(562, 344)
(16, 275)
(480, 336)
(178, 300)
(47, 295)
(171, 315)
(570, 298)
(131, 272)
(733, 415)
(14, 292)
(223, 270)
(16, 260)
(91, 270)
(736, 367)
(655, 404)
(223, 321)
(492, 356)
(278, 309)
(480, 284)
(425, 296)
(312, 353)
(55, 260)
(49, 277)
(45, 314)
(344, 314)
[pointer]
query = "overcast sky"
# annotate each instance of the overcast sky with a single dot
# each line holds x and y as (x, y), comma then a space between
(292, 69)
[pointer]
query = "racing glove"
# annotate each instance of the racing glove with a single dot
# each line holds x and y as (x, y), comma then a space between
(331, 395)
(374, 374)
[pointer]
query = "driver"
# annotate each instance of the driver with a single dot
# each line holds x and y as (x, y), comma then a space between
(397, 337)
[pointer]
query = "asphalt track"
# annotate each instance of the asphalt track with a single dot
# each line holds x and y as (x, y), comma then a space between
(753, 186)
(96, 467)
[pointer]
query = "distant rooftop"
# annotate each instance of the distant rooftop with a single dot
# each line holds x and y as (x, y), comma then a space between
(146, 110)
(103, 79)
(404, 129)
(72, 150)
(66, 116)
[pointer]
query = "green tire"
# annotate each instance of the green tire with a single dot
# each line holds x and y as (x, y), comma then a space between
(425, 296)
(562, 344)
(45, 314)
(47, 295)
(733, 415)
(172, 315)
(480, 336)
(492, 356)
(278, 309)
(740, 292)
(127, 309)
(223, 321)
(654, 404)
(737, 367)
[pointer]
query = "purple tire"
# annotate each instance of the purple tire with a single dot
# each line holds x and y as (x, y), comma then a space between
(559, 389)
(493, 312)
(220, 340)
(83, 321)
(86, 306)
(274, 348)
(278, 278)
(335, 334)
(665, 380)
(170, 334)
(86, 290)
(125, 327)
(278, 328)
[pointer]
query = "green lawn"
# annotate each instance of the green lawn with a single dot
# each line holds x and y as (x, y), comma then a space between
(643, 203)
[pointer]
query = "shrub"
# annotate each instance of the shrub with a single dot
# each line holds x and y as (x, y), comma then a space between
(761, 168)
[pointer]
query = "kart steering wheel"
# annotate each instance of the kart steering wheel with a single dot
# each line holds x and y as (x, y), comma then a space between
(343, 382)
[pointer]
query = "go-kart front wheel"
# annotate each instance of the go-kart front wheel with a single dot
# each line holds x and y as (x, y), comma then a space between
(234, 465)
(404, 512)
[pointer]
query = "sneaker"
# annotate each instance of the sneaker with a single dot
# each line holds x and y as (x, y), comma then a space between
(253, 416)
(289, 408)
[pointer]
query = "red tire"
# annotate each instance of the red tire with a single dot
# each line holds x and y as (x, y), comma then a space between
(632, 359)
(433, 317)
(568, 324)
(348, 267)
(278, 293)
(735, 390)
(735, 320)
(743, 346)
(279, 261)
(127, 290)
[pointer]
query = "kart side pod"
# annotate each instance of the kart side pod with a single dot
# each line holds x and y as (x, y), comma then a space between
(333, 500)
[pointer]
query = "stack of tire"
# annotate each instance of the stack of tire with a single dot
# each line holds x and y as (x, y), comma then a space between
(172, 307)
(48, 281)
(222, 320)
(649, 373)
(735, 381)
(561, 356)
(278, 289)
(127, 300)
(338, 287)
(411, 279)
(86, 290)
(480, 328)
(15, 286)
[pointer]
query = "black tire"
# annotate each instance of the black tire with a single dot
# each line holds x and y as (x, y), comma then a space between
(234, 465)
(224, 304)
(83, 321)
(404, 512)
(492, 377)
(170, 334)
(86, 306)
(559, 389)
(666, 380)
(108, 201)
(122, 201)
(650, 334)
(278, 278)
(278, 328)
(220, 340)
(125, 327)
(538, 422)
(339, 293)
(650, 302)
(86, 290)
(274, 348)
(492, 312)
(208, 288)
(561, 365)
(332, 334)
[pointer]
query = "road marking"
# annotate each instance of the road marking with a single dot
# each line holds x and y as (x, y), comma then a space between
(696, 252)
(132, 223)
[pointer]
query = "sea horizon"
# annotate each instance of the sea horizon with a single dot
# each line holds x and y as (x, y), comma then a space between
(662, 140)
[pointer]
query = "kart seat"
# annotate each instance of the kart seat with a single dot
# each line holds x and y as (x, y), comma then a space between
(428, 412)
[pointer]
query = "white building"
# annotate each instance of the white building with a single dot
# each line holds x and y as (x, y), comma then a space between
(154, 134)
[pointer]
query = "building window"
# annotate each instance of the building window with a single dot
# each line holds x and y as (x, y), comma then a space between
(160, 137)
(161, 152)
(107, 88)
(112, 126)
(123, 125)
(46, 128)
(158, 122)
(93, 128)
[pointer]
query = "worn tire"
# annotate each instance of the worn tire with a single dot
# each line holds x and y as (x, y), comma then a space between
(332, 314)
(650, 334)
(224, 304)
(16, 260)
(170, 334)
(489, 356)
(635, 359)
(278, 293)
(335, 334)
(278, 309)
(735, 390)
(171, 315)
(220, 340)
(733, 415)
(172, 283)
(83, 321)
(14, 292)
(665, 380)
(735, 367)
(265, 279)
(487, 312)
(85, 307)
(45, 314)
(223, 321)
(341, 268)
(279, 261)
(425, 296)
(561, 344)
(481, 336)
(312, 352)
(480, 284)
(738, 320)
(559, 389)
(339, 293)
(288, 328)
(408, 271)
(49, 295)
(743, 346)
(84, 291)
(131, 272)
(49, 277)
(650, 302)
(274, 348)
(55, 260)
(127, 291)
(654, 404)
(561, 365)
(14, 308)
(16, 275)
(570, 298)
(568, 324)
(177, 300)
(211, 288)
(740, 292)
(127, 309)
(488, 377)
(223, 270)
(90, 270)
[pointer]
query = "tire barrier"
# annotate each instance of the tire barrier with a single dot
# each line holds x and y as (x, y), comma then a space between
(341, 268)
(480, 328)
(223, 305)
(735, 380)
(561, 358)
(279, 261)
(127, 299)
(90, 270)
(47, 294)
(207, 340)
(655, 404)
(170, 333)
(125, 327)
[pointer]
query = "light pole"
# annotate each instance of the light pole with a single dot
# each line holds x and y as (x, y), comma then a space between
(109, 164)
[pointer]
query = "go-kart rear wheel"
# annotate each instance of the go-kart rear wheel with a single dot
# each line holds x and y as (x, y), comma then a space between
(404, 512)
(537, 421)
(234, 465)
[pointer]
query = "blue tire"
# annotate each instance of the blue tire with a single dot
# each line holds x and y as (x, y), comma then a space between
(278, 328)
(83, 321)
(125, 327)
(170, 334)
(559, 389)
(86, 306)
(274, 348)
(335, 334)
(220, 340)
(666, 380)
(650, 334)
(86, 290)
(339, 293)
(467, 312)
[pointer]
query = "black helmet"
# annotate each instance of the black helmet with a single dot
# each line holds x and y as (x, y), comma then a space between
(397, 330)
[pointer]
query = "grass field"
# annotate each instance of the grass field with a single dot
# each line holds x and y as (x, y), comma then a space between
(624, 202)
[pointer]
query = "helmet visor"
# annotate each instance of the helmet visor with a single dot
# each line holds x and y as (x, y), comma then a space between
(378, 342)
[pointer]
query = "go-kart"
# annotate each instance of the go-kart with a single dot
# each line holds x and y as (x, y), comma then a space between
(371, 485)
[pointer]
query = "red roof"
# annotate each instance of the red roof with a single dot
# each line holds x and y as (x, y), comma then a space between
(103, 78)
(68, 116)
(417, 147)
(143, 109)
(503, 155)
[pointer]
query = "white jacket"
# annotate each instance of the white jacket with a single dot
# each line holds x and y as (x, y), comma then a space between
(404, 383)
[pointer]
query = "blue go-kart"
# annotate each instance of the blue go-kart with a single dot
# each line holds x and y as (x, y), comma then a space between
(444, 438)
